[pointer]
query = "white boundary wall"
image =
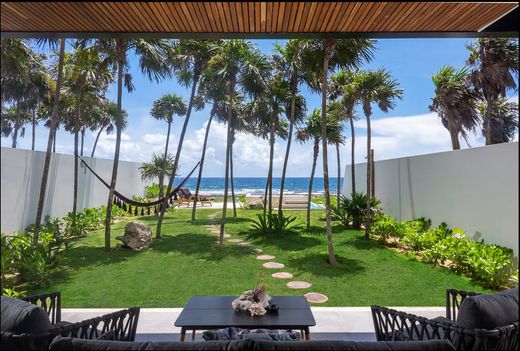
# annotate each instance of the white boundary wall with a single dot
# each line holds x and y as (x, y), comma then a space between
(474, 189)
(21, 172)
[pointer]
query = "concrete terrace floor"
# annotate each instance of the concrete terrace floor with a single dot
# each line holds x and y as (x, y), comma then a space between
(332, 323)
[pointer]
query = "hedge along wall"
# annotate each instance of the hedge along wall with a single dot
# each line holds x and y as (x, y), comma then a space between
(474, 189)
(21, 172)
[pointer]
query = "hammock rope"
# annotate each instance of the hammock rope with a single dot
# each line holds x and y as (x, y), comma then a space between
(126, 203)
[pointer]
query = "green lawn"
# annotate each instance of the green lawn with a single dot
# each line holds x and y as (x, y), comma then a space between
(188, 261)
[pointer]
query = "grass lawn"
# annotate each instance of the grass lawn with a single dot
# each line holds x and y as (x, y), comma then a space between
(188, 261)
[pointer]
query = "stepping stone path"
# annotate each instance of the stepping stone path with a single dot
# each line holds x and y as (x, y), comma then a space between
(256, 251)
(298, 285)
(282, 275)
(265, 257)
(273, 265)
(316, 297)
(235, 240)
(245, 244)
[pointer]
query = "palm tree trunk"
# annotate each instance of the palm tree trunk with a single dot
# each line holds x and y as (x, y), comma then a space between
(266, 192)
(33, 129)
(112, 189)
(201, 166)
(50, 141)
(226, 178)
(177, 156)
(286, 160)
(329, 44)
(161, 179)
(75, 191)
(352, 155)
(232, 178)
(316, 150)
(338, 194)
(488, 122)
(95, 142)
(271, 156)
(454, 136)
(54, 144)
(16, 123)
(369, 170)
(82, 140)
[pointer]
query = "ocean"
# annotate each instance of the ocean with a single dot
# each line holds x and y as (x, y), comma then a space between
(256, 186)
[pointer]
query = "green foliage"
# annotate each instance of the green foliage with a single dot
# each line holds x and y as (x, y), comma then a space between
(151, 191)
(273, 223)
(384, 227)
(12, 293)
(354, 209)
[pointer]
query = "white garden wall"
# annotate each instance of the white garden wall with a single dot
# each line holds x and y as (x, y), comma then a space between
(474, 189)
(21, 172)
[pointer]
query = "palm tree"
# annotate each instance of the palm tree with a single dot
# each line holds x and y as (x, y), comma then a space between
(336, 112)
(320, 57)
(343, 87)
(13, 120)
(54, 121)
(375, 87)
(288, 60)
(455, 102)
(151, 54)
(189, 59)
(504, 120)
(87, 77)
(494, 64)
(164, 109)
(242, 68)
(158, 167)
(105, 121)
(313, 131)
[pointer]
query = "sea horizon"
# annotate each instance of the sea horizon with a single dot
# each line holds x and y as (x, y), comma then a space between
(256, 185)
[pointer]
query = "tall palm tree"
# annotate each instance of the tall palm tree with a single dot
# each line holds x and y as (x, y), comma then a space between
(189, 59)
(157, 167)
(164, 109)
(242, 68)
(13, 120)
(53, 125)
(344, 89)
(455, 101)
(288, 59)
(336, 112)
(320, 57)
(313, 131)
(375, 87)
(87, 77)
(151, 54)
(504, 120)
(494, 70)
(104, 121)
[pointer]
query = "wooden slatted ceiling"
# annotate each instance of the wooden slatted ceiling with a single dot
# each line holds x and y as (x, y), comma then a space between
(250, 17)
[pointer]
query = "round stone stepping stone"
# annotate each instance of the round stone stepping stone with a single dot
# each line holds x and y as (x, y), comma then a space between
(298, 285)
(265, 257)
(235, 240)
(273, 265)
(245, 244)
(316, 297)
(282, 275)
(255, 251)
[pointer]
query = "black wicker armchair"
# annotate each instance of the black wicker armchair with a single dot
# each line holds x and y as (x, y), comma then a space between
(120, 325)
(392, 325)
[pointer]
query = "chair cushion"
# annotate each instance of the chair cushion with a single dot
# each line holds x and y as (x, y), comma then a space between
(20, 317)
(232, 333)
(489, 311)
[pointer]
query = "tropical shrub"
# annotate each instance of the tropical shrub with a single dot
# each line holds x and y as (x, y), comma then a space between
(151, 191)
(491, 264)
(384, 227)
(273, 223)
(76, 224)
(354, 209)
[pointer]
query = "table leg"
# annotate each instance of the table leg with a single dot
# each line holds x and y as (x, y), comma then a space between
(302, 334)
(183, 334)
(193, 334)
(307, 333)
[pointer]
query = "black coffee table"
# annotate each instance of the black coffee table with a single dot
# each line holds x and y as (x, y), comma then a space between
(214, 312)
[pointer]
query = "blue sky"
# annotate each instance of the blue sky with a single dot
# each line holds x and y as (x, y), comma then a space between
(409, 129)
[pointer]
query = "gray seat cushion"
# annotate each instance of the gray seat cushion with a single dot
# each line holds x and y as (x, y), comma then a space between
(489, 311)
(21, 317)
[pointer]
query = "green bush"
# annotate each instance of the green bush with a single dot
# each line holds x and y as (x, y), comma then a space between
(151, 191)
(341, 214)
(354, 209)
(273, 223)
(490, 264)
(384, 227)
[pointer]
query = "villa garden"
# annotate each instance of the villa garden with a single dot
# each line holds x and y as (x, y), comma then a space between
(402, 264)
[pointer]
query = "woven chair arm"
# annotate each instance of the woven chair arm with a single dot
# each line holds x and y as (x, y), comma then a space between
(50, 302)
(122, 324)
(392, 325)
(501, 338)
(454, 299)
